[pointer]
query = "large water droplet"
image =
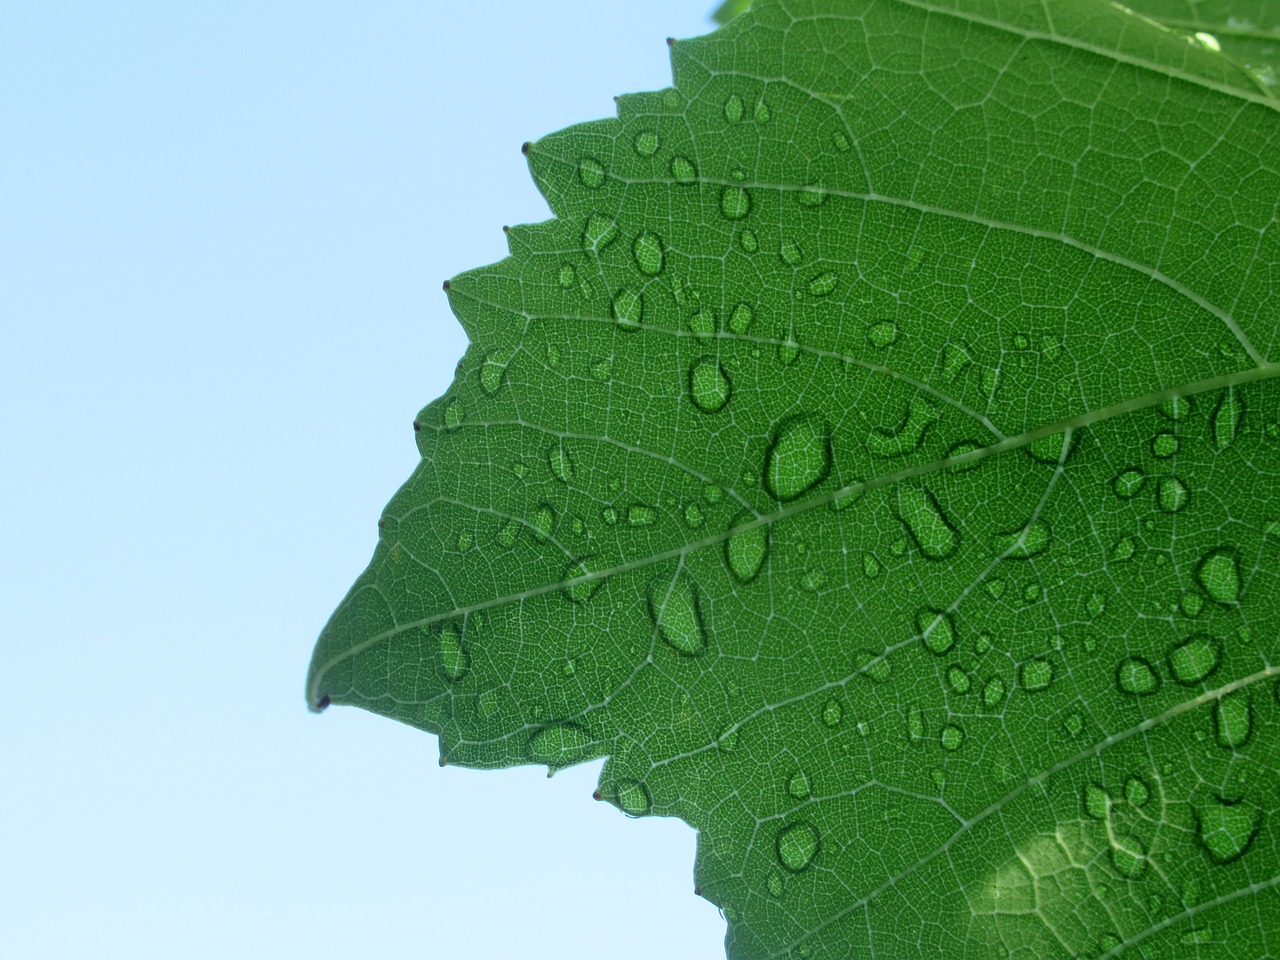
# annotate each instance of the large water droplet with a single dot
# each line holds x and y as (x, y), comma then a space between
(1172, 494)
(599, 232)
(1218, 573)
(1227, 828)
(1037, 675)
(799, 457)
(633, 798)
(1128, 856)
(745, 550)
(591, 173)
(1225, 421)
(937, 629)
(907, 436)
(733, 108)
(735, 203)
(559, 745)
(1096, 802)
(1164, 445)
(709, 386)
(676, 610)
(797, 845)
(1195, 658)
(1137, 677)
(647, 249)
(1024, 542)
(628, 309)
(951, 737)
(454, 659)
(922, 515)
(646, 143)
(1233, 719)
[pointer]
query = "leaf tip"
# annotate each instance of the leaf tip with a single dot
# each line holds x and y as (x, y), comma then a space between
(505, 228)
(671, 41)
(597, 795)
(526, 147)
(416, 426)
(320, 705)
(445, 286)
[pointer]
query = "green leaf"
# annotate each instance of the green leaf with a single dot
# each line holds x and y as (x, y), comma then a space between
(1246, 30)
(877, 459)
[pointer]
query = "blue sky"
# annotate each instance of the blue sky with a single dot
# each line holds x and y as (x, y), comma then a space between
(223, 229)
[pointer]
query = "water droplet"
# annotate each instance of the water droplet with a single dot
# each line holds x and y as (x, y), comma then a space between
(1096, 802)
(842, 142)
(568, 276)
(509, 533)
(599, 232)
(591, 173)
(993, 693)
(996, 588)
(812, 195)
(709, 385)
(745, 550)
(1037, 675)
(1233, 719)
(1136, 791)
(798, 785)
(937, 629)
(733, 108)
(553, 356)
(798, 458)
(735, 203)
(775, 884)
(791, 253)
(646, 143)
(1227, 828)
(454, 659)
(1164, 445)
(640, 515)
(1191, 604)
(560, 462)
(823, 284)
(983, 643)
(1137, 677)
(788, 351)
(1172, 494)
(1123, 549)
(915, 723)
(602, 370)
(870, 565)
(874, 666)
(453, 415)
(1128, 856)
(921, 514)
(958, 679)
(1128, 483)
(740, 319)
(628, 309)
(1024, 542)
(489, 703)
(832, 713)
(1021, 341)
(693, 515)
(797, 845)
(749, 242)
(676, 610)
(907, 436)
(1053, 449)
(559, 745)
(542, 521)
(1176, 408)
(882, 333)
(951, 737)
(577, 589)
(633, 798)
(762, 112)
(1195, 658)
(682, 170)
(1095, 605)
(1218, 573)
(1032, 592)
(647, 250)
(464, 540)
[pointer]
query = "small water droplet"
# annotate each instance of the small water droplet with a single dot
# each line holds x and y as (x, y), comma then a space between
(1037, 675)
(560, 462)
(453, 415)
(1029, 541)
(599, 232)
(1096, 802)
(908, 434)
(1195, 658)
(958, 679)
(1176, 408)
(676, 610)
(1164, 445)
(1136, 791)
(1136, 676)
(1032, 592)
(602, 370)
(788, 351)
(646, 143)
(1128, 856)
(682, 170)
(591, 173)
(790, 253)
(1128, 483)
(709, 385)
(798, 785)
(703, 323)
(1123, 549)
(824, 284)
(693, 515)
(993, 693)
(647, 250)
(870, 566)
(1053, 449)
(775, 884)
(1227, 828)
(922, 515)
(553, 356)
(1021, 341)
(640, 515)
(740, 319)
(454, 659)
(749, 242)
(762, 112)
(832, 713)
(1191, 604)
(733, 108)
(1073, 723)
(1172, 494)
(874, 666)
(559, 745)
(575, 588)
(982, 643)
(509, 533)
(937, 629)
(1095, 605)
(798, 458)
(951, 737)
(465, 540)
(542, 521)
(568, 276)
(735, 203)
(915, 723)
(842, 142)
(1233, 719)
(1218, 573)
(797, 845)
(628, 309)
(812, 195)
(633, 798)
(882, 333)
(727, 742)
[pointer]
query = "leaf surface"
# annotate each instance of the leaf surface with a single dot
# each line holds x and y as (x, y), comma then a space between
(877, 459)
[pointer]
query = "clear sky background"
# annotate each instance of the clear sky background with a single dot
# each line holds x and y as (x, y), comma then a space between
(223, 229)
